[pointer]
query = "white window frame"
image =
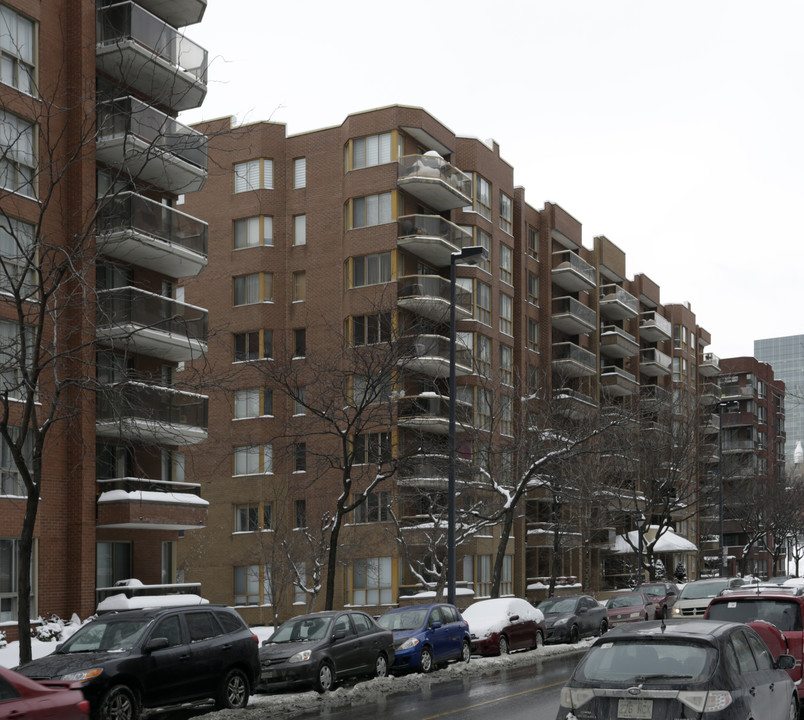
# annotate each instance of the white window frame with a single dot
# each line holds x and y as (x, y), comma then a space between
(257, 174)
(299, 173)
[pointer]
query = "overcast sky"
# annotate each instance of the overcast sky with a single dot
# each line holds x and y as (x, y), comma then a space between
(674, 129)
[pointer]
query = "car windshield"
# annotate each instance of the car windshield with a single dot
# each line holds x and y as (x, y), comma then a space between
(642, 660)
(784, 614)
(653, 589)
(301, 629)
(624, 601)
(106, 636)
(695, 591)
(403, 620)
(558, 605)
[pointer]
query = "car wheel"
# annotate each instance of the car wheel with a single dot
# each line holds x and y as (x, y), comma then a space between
(466, 652)
(539, 640)
(381, 666)
(118, 703)
(502, 645)
(233, 692)
(325, 678)
(604, 627)
(574, 635)
(426, 661)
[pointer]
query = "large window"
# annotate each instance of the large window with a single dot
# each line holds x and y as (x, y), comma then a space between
(10, 481)
(299, 286)
(483, 196)
(533, 241)
(300, 229)
(254, 345)
(253, 402)
(9, 560)
(12, 360)
(254, 175)
(252, 517)
(533, 288)
(372, 448)
(371, 210)
(300, 172)
(299, 457)
(506, 264)
(113, 563)
(506, 365)
(483, 355)
(253, 459)
(533, 335)
(372, 581)
(16, 247)
(249, 587)
(253, 232)
(506, 213)
(370, 329)
(371, 269)
(506, 314)
(17, 154)
(371, 150)
(482, 302)
(375, 508)
(17, 52)
(253, 288)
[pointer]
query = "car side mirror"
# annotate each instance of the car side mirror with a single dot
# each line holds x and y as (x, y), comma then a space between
(157, 643)
(340, 635)
(514, 618)
(435, 625)
(671, 592)
(786, 662)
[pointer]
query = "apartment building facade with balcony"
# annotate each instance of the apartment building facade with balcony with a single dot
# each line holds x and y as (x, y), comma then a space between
(93, 172)
(342, 237)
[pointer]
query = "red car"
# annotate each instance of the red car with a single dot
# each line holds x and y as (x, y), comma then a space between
(500, 625)
(630, 607)
(664, 595)
(22, 697)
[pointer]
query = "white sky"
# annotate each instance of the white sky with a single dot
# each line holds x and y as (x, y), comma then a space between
(660, 125)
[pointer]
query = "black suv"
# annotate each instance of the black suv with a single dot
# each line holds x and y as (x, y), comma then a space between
(156, 657)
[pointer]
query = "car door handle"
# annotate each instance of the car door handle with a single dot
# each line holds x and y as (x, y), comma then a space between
(186, 656)
(753, 691)
(771, 686)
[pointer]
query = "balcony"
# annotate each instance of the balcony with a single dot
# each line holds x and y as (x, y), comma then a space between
(617, 382)
(429, 412)
(151, 324)
(429, 355)
(428, 296)
(653, 327)
(177, 13)
(143, 53)
(140, 503)
(570, 360)
(709, 365)
(573, 404)
(431, 471)
(431, 237)
(434, 181)
(573, 317)
(143, 232)
(149, 146)
(710, 423)
(617, 343)
(654, 363)
(137, 411)
(573, 273)
(654, 397)
(709, 453)
(710, 393)
(539, 534)
(739, 419)
(617, 304)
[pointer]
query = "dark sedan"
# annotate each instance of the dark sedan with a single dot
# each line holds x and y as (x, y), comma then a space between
(322, 648)
(21, 697)
(680, 669)
(570, 618)
(664, 596)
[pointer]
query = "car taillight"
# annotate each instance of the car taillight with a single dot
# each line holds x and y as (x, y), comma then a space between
(83, 706)
(255, 638)
(705, 700)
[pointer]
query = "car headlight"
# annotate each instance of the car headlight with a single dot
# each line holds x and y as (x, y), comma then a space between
(302, 656)
(676, 611)
(561, 621)
(82, 675)
(635, 614)
(409, 643)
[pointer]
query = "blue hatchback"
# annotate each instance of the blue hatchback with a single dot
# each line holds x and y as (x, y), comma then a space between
(426, 636)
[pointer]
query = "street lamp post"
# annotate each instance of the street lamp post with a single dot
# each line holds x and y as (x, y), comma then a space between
(640, 524)
(468, 256)
(721, 548)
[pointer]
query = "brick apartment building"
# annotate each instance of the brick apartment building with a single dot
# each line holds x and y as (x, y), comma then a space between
(89, 93)
(320, 238)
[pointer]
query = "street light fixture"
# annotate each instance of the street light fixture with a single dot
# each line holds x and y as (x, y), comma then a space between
(471, 255)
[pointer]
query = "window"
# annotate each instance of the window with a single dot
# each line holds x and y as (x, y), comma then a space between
(253, 232)
(483, 239)
(506, 314)
(372, 448)
(247, 518)
(254, 175)
(300, 513)
(253, 459)
(483, 582)
(483, 355)
(533, 288)
(482, 197)
(300, 173)
(371, 210)
(506, 365)
(17, 154)
(533, 335)
(253, 402)
(482, 409)
(533, 242)
(299, 400)
(113, 563)
(375, 508)
(299, 286)
(253, 288)
(371, 581)
(10, 481)
(506, 264)
(300, 458)
(299, 342)
(247, 585)
(371, 269)
(370, 389)
(482, 302)
(299, 229)
(254, 345)
(371, 150)
(506, 213)
(173, 464)
(16, 247)
(506, 416)
(167, 572)
(370, 329)
(17, 52)
(11, 368)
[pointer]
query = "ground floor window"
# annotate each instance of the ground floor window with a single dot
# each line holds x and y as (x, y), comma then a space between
(372, 582)
(113, 563)
(9, 594)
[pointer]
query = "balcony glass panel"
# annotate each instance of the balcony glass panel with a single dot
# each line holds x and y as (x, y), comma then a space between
(435, 181)
(433, 286)
(654, 327)
(569, 263)
(433, 226)
(434, 407)
(575, 353)
(576, 309)
(151, 403)
(618, 302)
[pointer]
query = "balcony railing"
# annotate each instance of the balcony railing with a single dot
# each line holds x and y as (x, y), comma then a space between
(430, 413)
(654, 362)
(617, 304)
(616, 342)
(151, 413)
(618, 382)
(177, 13)
(143, 52)
(571, 360)
(151, 146)
(573, 317)
(434, 181)
(135, 229)
(709, 365)
(572, 273)
(572, 403)
(151, 324)
(429, 354)
(428, 296)
(653, 327)
(431, 238)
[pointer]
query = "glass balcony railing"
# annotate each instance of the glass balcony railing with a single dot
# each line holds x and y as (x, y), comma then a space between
(653, 327)
(430, 354)
(567, 352)
(435, 181)
(434, 287)
(572, 272)
(618, 303)
(432, 407)
(150, 403)
(433, 226)
(572, 316)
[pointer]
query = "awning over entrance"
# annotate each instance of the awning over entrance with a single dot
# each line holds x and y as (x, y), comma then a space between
(669, 542)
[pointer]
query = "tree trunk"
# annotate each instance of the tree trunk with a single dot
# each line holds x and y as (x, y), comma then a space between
(332, 560)
(24, 575)
(505, 534)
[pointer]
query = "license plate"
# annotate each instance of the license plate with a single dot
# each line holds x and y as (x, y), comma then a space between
(635, 709)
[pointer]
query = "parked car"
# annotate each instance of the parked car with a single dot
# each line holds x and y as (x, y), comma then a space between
(500, 625)
(426, 636)
(156, 657)
(630, 607)
(663, 594)
(680, 669)
(695, 596)
(21, 697)
(776, 612)
(321, 649)
(570, 618)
